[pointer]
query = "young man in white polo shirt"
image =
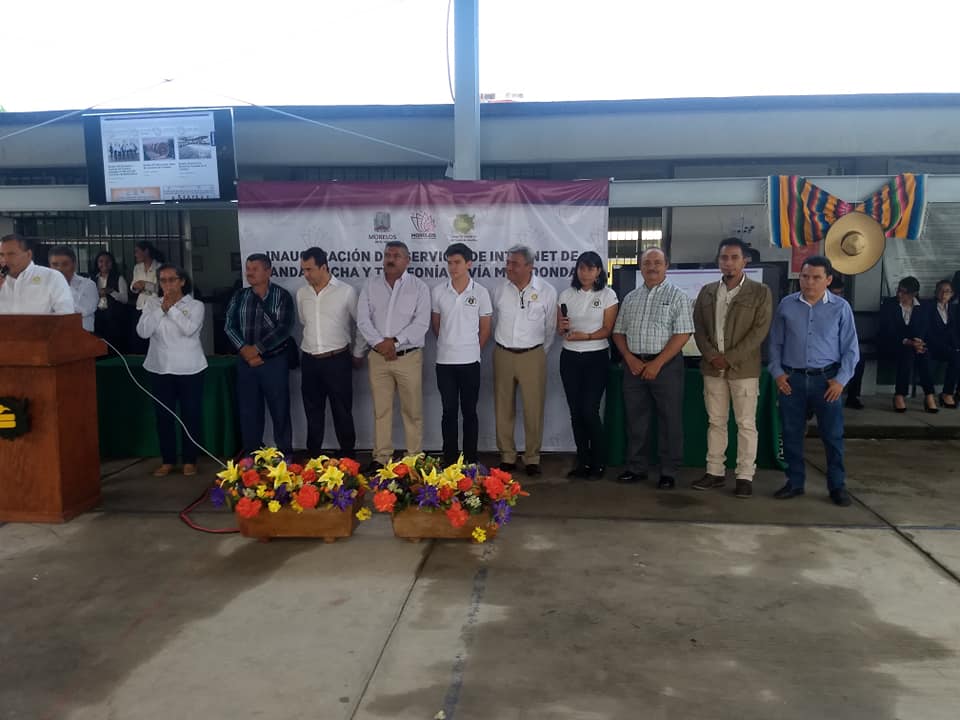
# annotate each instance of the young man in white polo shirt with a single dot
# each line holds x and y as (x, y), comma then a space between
(461, 321)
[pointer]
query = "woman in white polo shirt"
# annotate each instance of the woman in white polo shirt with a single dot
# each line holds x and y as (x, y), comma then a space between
(586, 312)
(171, 321)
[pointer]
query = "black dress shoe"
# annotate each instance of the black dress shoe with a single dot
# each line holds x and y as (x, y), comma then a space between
(840, 497)
(854, 403)
(787, 492)
(508, 467)
(629, 478)
(596, 472)
(580, 472)
(744, 488)
(533, 469)
(666, 483)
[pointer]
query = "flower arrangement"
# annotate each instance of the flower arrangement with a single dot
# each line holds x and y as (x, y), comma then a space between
(459, 491)
(266, 480)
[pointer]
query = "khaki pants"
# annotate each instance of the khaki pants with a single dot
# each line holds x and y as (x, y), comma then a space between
(405, 377)
(717, 395)
(529, 371)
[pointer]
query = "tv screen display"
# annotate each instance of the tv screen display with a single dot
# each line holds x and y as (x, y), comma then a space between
(160, 156)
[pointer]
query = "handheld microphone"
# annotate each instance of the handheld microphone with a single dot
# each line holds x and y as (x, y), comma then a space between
(563, 313)
(4, 270)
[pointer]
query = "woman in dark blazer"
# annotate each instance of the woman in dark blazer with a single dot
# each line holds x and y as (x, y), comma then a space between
(903, 332)
(943, 339)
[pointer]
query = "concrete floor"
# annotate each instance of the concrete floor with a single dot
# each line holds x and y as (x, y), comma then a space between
(599, 601)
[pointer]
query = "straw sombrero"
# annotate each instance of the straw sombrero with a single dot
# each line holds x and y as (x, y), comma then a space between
(854, 243)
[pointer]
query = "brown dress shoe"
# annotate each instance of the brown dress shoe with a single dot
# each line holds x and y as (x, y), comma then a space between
(163, 470)
(190, 469)
(709, 481)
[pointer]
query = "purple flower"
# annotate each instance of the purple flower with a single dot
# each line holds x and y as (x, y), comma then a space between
(217, 497)
(342, 498)
(501, 512)
(471, 472)
(246, 463)
(282, 494)
(483, 469)
(427, 496)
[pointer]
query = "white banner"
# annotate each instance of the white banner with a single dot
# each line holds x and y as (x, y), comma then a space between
(352, 223)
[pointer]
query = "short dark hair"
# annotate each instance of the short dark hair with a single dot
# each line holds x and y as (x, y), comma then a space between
(151, 249)
(459, 249)
(735, 242)
(943, 282)
(260, 258)
(63, 251)
(591, 260)
(181, 273)
(819, 261)
(910, 284)
(318, 255)
(25, 243)
(398, 244)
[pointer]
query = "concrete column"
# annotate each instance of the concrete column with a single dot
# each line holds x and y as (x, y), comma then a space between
(466, 109)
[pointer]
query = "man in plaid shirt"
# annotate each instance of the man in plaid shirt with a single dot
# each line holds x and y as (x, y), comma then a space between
(654, 323)
(259, 321)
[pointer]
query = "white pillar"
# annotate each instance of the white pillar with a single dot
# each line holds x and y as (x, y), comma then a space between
(466, 109)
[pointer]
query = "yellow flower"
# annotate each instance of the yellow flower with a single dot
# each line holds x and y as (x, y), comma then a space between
(332, 477)
(231, 474)
(264, 455)
(431, 478)
(274, 506)
(451, 476)
(316, 463)
(363, 514)
(261, 491)
(479, 535)
(295, 506)
(279, 474)
(411, 460)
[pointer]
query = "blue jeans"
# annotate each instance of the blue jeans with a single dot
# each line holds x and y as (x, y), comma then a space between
(267, 384)
(807, 393)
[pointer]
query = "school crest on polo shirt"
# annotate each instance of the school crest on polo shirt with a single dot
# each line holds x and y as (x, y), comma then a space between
(472, 300)
(534, 297)
(596, 302)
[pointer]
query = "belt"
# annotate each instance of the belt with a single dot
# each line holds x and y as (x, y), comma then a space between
(321, 356)
(401, 353)
(646, 358)
(518, 351)
(813, 371)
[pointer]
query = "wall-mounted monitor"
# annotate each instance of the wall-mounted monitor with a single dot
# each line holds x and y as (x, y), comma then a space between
(161, 156)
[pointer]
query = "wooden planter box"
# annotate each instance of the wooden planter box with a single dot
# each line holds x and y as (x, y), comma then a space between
(327, 523)
(415, 524)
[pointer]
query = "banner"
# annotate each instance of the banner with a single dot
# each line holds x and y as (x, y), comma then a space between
(354, 221)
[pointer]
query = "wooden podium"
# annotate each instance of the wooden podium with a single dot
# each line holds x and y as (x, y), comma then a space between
(51, 473)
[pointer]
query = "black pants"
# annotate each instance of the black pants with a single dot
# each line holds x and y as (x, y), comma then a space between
(907, 359)
(188, 391)
(459, 387)
(584, 376)
(322, 379)
(856, 382)
(951, 357)
(258, 388)
(664, 396)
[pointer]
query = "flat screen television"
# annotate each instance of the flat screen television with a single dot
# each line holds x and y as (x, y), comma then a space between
(160, 156)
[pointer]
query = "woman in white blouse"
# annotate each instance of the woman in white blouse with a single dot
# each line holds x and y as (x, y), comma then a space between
(171, 321)
(144, 283)
(110, 322)
(586, 312)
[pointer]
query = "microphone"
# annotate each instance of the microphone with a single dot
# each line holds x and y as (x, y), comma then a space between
(4, 270)
(563, 313)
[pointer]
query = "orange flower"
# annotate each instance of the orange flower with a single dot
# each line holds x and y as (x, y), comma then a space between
(494, 487)
(457, 515)
(445, 493)
(349, 466)
(401, 470)
(308, 496)
(464, 484)
(295, 469)
(250, 478)
(384, 500)
(500, 475)
(309, 475)
(248, 508)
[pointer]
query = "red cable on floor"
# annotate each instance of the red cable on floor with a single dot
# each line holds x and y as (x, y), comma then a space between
(185, 516)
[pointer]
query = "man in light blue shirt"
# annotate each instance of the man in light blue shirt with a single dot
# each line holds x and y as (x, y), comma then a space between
(813, 352)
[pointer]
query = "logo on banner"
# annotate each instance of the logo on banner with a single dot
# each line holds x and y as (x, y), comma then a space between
(381, 228)
(425, 225)
(463, 225)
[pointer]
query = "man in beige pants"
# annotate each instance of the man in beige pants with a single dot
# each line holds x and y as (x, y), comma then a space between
(731, 319)
(393, 315)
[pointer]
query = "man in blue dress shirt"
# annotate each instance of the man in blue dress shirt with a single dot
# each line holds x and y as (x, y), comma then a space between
(813, 353)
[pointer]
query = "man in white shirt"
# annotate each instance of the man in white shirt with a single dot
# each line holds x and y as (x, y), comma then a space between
(525, 308)
(28, 289)
(393, 315)
(84, 291)
(461, 321)
(327, 309)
